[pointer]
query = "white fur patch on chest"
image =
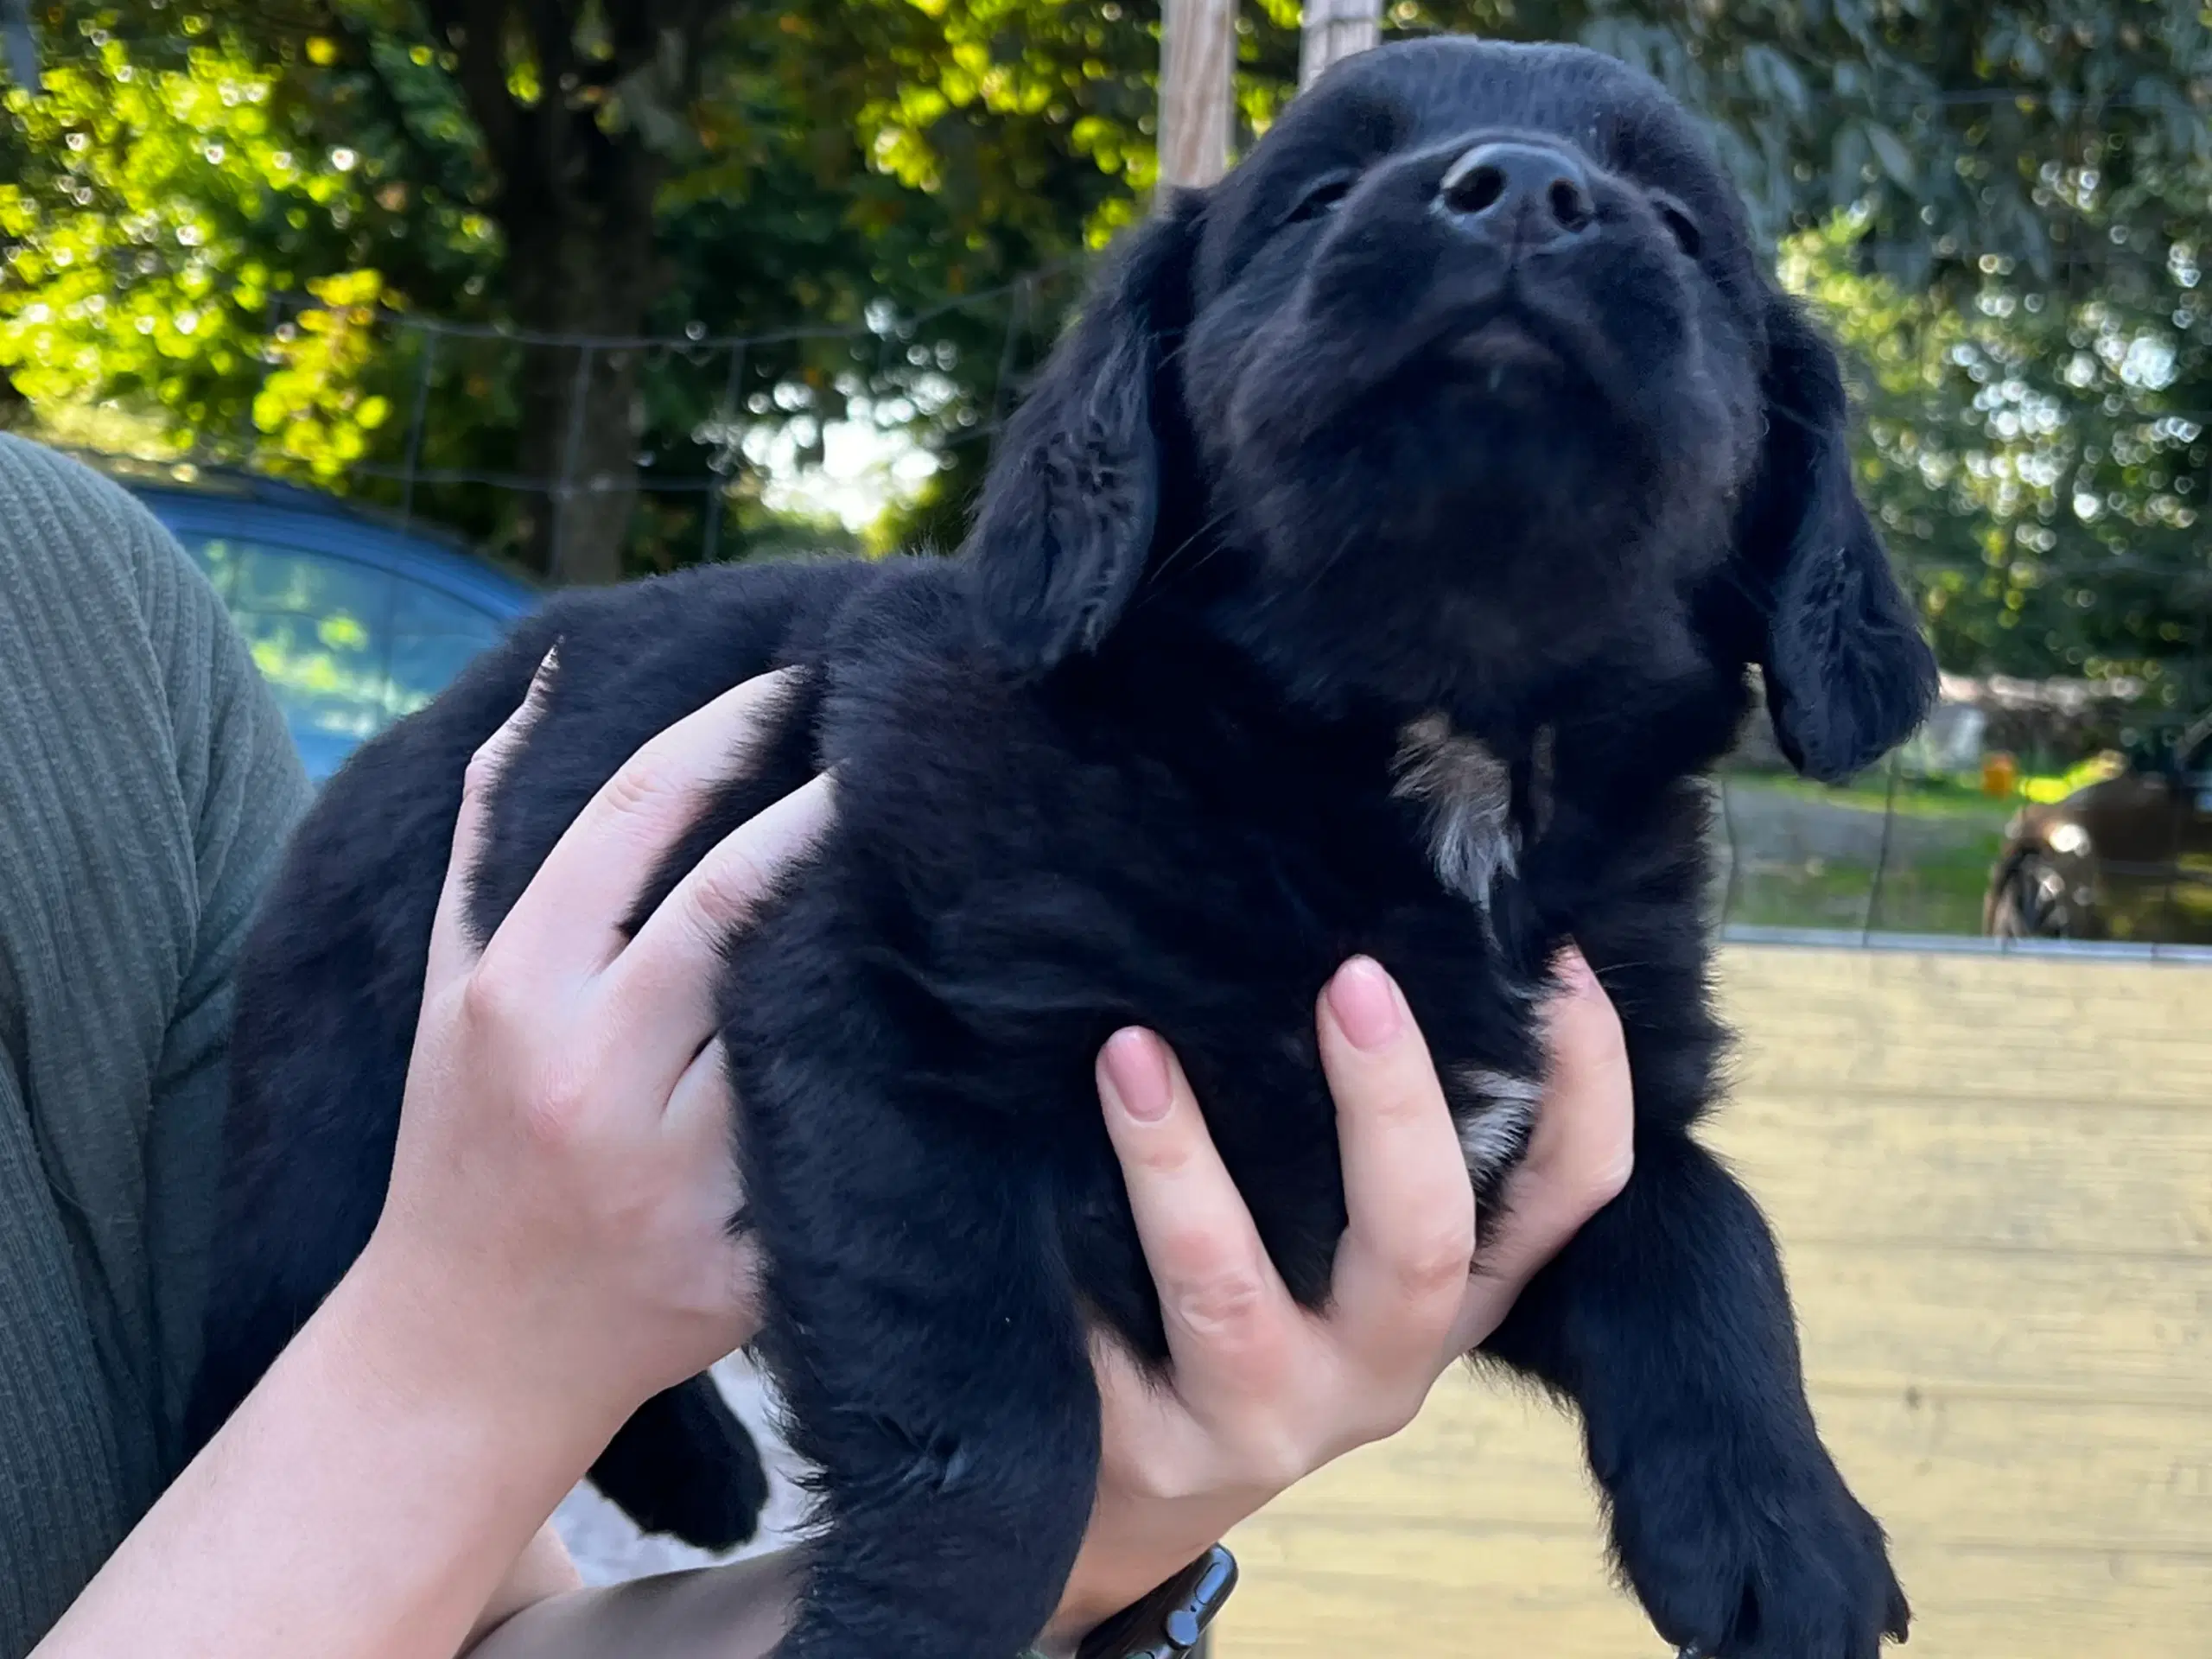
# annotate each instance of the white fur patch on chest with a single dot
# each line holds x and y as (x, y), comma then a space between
(1466, 793)
(1495, 1112)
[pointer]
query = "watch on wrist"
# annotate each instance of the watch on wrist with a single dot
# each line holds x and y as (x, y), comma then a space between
(1168, 1623)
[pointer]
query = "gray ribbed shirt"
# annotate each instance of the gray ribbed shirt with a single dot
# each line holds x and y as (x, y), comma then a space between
(146, 787)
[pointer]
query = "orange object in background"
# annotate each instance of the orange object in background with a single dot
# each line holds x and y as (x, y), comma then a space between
(2000, 775)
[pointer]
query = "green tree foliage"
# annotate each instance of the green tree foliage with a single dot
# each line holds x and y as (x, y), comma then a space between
(2037, 459)
(687, 167)
(165, 216)
(812, 189)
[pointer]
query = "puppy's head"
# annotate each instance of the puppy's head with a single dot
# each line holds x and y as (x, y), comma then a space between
(1466, 379)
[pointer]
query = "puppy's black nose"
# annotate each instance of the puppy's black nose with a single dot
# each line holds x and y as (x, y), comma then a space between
(1531, 192)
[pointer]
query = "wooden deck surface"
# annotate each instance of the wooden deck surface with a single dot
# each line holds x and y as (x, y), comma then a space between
(1992, 1179)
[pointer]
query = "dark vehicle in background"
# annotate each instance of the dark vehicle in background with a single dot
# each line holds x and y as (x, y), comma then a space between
(2128, 858)
(353, 620)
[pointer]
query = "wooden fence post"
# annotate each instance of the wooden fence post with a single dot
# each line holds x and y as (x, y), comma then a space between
(1334, 30)
(1198, 69)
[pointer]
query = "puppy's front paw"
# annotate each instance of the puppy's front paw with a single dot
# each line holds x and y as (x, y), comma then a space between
(1733, 1560)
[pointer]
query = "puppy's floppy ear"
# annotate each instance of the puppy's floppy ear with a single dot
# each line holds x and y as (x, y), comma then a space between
(1848, 677)
(1072, 498)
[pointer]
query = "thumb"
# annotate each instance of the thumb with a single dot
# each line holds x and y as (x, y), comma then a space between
(1583, 1146)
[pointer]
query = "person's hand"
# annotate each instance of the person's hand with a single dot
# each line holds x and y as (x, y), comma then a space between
(553, 1251)
(1260, 1393)
(558, 1219)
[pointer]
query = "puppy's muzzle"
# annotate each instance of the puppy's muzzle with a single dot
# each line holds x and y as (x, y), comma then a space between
(1517, 195)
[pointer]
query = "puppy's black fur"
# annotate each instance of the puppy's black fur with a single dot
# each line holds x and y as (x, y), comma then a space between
(1376, 563)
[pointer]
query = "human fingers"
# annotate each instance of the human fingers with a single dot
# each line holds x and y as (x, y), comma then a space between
(453, 948)
(661, 988)
(1230, 1319)
(1581, 1153)
(1409, 1237)
(568, 924)
(699, 1139)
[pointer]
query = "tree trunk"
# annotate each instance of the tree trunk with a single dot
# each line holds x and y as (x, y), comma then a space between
(581, 268)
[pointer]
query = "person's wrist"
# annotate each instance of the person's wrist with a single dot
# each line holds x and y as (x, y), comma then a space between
(419, 1347)
(1095, 1592)
(1074, 1620)
(1085, 1604)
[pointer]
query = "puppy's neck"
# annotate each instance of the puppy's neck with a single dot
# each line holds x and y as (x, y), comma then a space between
(1482, 808)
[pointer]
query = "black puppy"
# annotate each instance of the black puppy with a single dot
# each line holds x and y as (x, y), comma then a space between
(1375, 566)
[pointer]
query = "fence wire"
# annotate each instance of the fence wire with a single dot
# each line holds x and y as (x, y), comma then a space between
(716, 411)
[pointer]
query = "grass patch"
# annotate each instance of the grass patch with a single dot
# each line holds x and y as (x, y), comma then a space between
(1950, 798)
(1932, 891)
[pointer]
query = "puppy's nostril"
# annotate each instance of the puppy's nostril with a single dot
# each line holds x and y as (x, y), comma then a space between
(1477, 190)
(1570, 204)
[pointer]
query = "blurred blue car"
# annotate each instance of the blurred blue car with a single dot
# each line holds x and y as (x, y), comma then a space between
(353, 622)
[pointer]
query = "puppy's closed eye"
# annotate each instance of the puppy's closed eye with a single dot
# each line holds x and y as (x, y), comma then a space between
(1321, 197)
(1681, 224)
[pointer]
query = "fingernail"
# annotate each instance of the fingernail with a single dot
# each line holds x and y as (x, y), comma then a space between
(1134, 1075)
(1365, 1002)
(541, 683)
(1572, 971)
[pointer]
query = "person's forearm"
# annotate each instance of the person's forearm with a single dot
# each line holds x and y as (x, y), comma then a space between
(738, 1611)
(544, 1571)
(341, 1513)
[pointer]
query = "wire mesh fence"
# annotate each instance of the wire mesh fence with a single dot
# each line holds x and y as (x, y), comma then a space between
(718, 434)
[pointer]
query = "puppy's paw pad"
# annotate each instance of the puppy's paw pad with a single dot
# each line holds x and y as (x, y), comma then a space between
(1787, 1566)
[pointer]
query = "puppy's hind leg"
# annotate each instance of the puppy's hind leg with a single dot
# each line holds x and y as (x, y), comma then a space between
(685, 1466)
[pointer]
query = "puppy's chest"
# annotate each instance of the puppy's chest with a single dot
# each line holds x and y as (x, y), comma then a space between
(1422, 859)
(1206, 880)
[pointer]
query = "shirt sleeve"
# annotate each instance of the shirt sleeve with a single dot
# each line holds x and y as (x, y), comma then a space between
(147, 787)
(243, 789)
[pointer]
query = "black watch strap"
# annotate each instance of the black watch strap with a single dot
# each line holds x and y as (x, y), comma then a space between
(1168, 1623)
